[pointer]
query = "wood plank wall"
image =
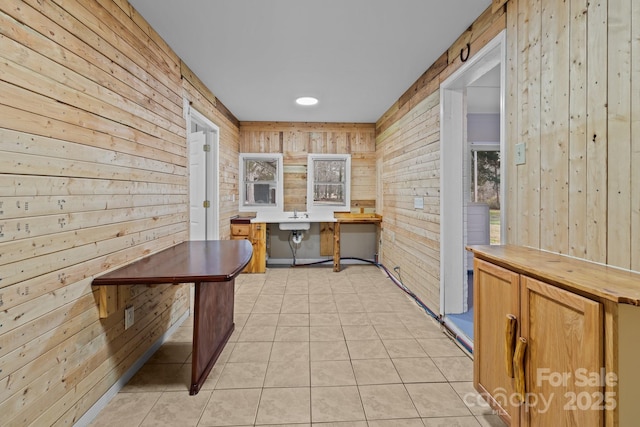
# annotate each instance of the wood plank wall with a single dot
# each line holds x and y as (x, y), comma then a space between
(93, 174)
(296, 140)
(574, 79)
(573, 97)
(408, 154)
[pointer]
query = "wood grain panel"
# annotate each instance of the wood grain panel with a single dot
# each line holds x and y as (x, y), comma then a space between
(554, 135)
(619, 134)
(21, 68)
(47, 148)
(52, 109)
(63, 48)
(579, 63)
(410, 161)
(528, 184)
(93, 175)
(497, 4)
(33, 123)
(296, 140)
(596, 173)
(635, 135)
(577, 143)
(512, 121)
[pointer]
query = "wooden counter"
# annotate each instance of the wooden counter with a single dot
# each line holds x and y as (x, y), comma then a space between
(537, 314)
(212, 265)
(583, 277)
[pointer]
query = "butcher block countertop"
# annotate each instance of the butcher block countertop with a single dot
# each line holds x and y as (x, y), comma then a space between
(584, 277)
(357, 218)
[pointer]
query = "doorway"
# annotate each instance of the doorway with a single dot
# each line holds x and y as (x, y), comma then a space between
(472, 191)
(203, 139)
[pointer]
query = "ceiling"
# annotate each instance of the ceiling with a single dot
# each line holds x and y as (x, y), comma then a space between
(483, 95)
(356, 56)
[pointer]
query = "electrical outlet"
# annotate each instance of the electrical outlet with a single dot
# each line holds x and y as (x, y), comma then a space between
(418, 203)
(520, 154)
(128, 317)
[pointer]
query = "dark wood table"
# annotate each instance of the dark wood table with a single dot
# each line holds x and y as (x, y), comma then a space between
(213, 266)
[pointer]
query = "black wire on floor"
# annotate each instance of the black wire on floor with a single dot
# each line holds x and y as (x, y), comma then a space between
(398, 282)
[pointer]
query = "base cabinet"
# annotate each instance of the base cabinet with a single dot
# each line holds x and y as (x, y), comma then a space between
(256, 234)
(496, 297)
(563, 360)
(547, 351)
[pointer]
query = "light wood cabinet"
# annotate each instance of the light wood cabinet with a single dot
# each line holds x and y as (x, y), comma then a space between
(563, 332)
(496, 296)
(256, 233)
(556, 339)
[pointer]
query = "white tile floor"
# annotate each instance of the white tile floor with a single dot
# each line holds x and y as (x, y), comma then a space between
(312, 347)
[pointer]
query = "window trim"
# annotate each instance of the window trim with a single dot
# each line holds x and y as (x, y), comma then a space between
(279, 184)
(346, 206)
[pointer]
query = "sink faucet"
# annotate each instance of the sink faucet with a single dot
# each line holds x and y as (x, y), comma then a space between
(295, 213)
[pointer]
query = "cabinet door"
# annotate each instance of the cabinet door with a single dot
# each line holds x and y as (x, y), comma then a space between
(563, 361)
(496, 296)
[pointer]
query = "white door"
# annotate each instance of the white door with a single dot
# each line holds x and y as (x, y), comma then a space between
(197, 186)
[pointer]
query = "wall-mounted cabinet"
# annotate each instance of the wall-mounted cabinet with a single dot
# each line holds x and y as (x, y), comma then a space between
(556, 338)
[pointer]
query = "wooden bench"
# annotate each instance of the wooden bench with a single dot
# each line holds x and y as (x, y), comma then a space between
(213, 266)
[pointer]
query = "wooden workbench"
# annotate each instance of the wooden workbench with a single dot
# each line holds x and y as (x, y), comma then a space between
(350, 218)
(213, 266)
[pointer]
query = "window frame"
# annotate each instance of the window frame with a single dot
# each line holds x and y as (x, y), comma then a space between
(311, 206)
(279, 202)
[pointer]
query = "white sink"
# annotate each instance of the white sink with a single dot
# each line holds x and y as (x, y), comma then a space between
(291, 223)
(293, 220)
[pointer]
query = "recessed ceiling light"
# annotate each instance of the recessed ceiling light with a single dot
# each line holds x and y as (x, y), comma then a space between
(307, 100)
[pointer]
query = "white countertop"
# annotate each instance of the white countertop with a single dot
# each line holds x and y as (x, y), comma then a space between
(287, 217)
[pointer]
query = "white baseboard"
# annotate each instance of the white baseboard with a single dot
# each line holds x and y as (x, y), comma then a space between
(93, 412)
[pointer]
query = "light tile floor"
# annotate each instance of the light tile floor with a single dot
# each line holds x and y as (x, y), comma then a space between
(312, 347)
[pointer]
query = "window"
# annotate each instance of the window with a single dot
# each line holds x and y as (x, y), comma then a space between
(329, 182)
(260, 182)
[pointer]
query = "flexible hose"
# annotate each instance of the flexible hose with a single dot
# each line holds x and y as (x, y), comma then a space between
(293, 250)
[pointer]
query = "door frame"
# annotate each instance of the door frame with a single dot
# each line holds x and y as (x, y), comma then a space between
(452, 164)
(197, 121)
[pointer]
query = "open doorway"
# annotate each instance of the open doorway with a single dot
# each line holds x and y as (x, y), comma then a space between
(472, 191)
(203, 143)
